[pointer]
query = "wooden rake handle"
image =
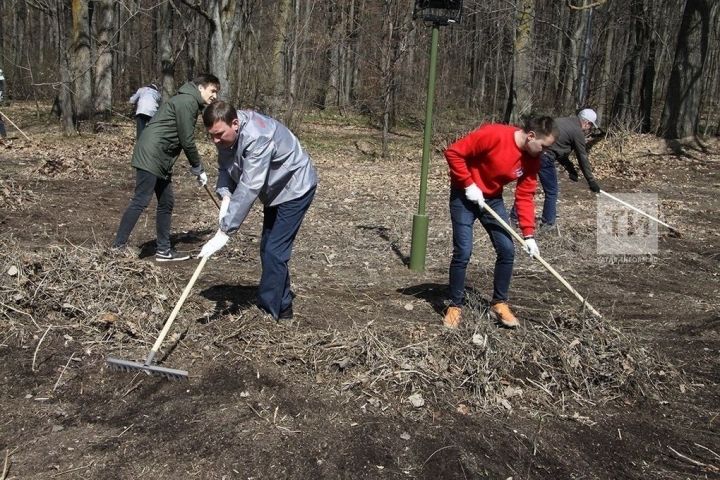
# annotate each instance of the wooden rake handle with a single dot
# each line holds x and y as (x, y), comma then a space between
(212, 196)
(549, 268)
(171, 319)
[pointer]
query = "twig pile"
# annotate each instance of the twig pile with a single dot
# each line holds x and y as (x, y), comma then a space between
(14, 197)
(85, 288)
(571, 361)
(64, 166)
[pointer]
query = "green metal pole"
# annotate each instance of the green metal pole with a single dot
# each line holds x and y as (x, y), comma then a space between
(420, 219)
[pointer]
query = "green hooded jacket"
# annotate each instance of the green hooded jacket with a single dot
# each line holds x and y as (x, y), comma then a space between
(171, 130)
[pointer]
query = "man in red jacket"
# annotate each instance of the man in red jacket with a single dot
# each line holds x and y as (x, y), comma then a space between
(481, 164)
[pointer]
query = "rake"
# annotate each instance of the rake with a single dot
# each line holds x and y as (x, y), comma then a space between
(148, 367)
(547, 266)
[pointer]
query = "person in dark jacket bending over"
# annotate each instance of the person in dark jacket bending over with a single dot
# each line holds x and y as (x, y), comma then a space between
(258, 157)
(171, 131)
(571, 137)
(481, 164)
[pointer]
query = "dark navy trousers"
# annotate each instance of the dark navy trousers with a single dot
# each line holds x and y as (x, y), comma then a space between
(281, 224)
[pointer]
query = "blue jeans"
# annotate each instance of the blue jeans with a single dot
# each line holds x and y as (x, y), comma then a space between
(463, 214)
(280, 226)
(549, 180)
(145, 184)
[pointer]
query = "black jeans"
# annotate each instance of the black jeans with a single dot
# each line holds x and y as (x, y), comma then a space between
(141, 120)
(145, 184)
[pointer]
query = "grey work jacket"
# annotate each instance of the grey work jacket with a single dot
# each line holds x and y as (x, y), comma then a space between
(571, 137)
(266, 162)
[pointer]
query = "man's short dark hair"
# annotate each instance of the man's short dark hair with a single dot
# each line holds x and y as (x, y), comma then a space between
(206, 79)
(543, 126)
(218, 111)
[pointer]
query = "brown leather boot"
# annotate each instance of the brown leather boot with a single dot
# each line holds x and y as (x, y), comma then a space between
(452, 317)
(501, 312)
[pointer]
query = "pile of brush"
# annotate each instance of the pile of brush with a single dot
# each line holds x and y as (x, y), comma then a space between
(566, 363)
(106, 295)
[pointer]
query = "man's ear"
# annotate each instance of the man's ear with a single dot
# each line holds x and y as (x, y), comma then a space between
(531, 136)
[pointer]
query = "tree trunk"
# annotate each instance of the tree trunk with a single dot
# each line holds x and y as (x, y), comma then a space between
(388, 30)
(682, 106)
(167, 58)
(624, 110)
(608, 62)
(327, 92)
(20, 17)
(583, 80)
(571, 72)
(647, 87)
(105, 27)
(82, 69)
(64, 47)
(225, 23)
(520, 96)
(279, 60)
(2, 29)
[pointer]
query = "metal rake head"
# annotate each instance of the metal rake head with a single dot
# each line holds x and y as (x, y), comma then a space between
(120, 365)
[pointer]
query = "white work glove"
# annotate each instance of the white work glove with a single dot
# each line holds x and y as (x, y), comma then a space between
(202, 179)
(214, 244)
(474, 194)
(531, 247)
(223, 208)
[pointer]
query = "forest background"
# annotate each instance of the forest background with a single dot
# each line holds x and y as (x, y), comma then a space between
(644, 65)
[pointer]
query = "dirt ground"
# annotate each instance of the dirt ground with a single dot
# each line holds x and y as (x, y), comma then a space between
(365, 382)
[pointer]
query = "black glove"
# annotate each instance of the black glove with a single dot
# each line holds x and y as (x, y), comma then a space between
(573, 175)
(594, 186)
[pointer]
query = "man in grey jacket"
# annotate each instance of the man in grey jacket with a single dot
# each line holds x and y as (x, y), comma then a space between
(258, 157)
(571, 137)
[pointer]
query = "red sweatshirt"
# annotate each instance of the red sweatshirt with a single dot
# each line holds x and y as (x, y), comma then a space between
(489, 157)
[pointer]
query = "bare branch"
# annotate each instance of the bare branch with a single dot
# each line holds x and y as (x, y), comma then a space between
(585, 7)
(198, 8)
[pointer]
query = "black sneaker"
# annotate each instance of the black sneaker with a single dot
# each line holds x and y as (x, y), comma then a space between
(286, 314)
(170, 255)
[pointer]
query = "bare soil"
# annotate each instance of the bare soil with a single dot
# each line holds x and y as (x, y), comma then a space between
(365, 382)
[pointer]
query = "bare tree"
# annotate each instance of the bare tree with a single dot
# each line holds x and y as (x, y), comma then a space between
(520, 96)
(225, 21)
(167, 57)
(682, 107)
(279, 57)
(81, 66)
(105, 28)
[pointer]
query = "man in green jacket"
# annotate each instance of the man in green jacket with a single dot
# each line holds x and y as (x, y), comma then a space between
(170, 131)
